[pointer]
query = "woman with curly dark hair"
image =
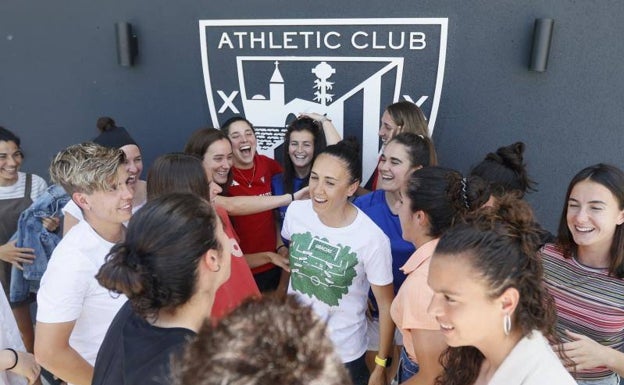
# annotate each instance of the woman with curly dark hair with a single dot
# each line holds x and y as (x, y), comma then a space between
(491, 304)
(173, 260)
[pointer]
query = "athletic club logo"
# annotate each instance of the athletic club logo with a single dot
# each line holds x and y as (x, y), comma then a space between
(349, 69)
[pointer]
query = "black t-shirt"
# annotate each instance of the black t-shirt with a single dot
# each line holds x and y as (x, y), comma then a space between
(136, 352)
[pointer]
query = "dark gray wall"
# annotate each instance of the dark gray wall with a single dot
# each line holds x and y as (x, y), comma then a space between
(58, 72)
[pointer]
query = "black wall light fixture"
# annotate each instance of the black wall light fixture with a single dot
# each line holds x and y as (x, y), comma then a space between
(542, 37)
(127, 44)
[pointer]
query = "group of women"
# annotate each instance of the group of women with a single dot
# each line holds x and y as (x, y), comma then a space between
(477, 291)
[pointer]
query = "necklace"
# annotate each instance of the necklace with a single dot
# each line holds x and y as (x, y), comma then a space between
(253, 175)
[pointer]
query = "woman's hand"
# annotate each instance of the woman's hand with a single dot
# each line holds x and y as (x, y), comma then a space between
(585, 352)
(378, 376)
(27, 367)
(51, 223)
(16, 255)
(279, 260)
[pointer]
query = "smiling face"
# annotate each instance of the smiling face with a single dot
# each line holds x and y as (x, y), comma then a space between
(10, 162)
(243, 144)
(112, 206)
(330, 185)
(592, 215)
(301, 151)
(388, 127)
(134, 163)
(218, 160)
(394, 167)
(461, 305)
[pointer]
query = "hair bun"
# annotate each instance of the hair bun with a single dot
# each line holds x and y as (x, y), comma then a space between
(105, 123)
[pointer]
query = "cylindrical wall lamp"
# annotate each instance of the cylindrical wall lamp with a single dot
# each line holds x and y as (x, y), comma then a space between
(542, 37)
(127, 44)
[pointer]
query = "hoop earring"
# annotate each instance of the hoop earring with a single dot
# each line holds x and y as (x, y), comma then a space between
(507, 324)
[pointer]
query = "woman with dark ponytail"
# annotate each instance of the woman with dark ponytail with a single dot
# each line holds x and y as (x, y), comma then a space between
(506, 171)
(173, 260)
(431, 200)
(490, 303)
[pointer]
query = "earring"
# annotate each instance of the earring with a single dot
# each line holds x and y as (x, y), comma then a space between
(507, 324)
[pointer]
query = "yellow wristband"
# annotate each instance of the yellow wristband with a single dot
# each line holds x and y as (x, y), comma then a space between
(381, 361)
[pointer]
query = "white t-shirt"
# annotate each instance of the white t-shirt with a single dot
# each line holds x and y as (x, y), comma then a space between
(18, 189)
(332, 270)
(70, 292)
(9, 338)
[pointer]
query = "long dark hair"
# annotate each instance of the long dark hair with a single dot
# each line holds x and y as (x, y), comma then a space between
(298, 125)
(612, 178)
(156, 265)
(501, 245)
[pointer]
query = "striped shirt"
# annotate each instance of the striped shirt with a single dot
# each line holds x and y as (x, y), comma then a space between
(18, 189)
(588, 302)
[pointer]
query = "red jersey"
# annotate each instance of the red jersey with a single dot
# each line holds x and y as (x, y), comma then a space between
(241, 284)
(257, 232)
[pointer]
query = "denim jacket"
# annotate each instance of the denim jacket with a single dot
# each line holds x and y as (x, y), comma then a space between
(31, 233)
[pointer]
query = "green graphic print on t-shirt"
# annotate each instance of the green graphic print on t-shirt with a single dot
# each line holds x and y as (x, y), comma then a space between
(321, 269)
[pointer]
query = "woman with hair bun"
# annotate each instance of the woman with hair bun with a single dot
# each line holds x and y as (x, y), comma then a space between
(505, 170)
(112, 136)
(432, 199)
(490, 303)
(173, 260)
(337, 254)
(584, 272)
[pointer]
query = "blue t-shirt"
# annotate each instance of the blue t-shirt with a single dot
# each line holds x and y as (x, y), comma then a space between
(375, 206)
(277, 187)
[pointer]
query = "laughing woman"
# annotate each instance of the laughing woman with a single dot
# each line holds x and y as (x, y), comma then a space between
(303, 141)
(402, 155)
(337, 254)
(584, 271)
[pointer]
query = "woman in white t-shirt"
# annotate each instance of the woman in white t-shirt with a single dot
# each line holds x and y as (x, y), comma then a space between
(337, 254)
(112, 136)
(74, 311)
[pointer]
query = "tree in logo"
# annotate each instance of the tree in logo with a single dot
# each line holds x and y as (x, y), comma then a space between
(323, 71)
(321, 269)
